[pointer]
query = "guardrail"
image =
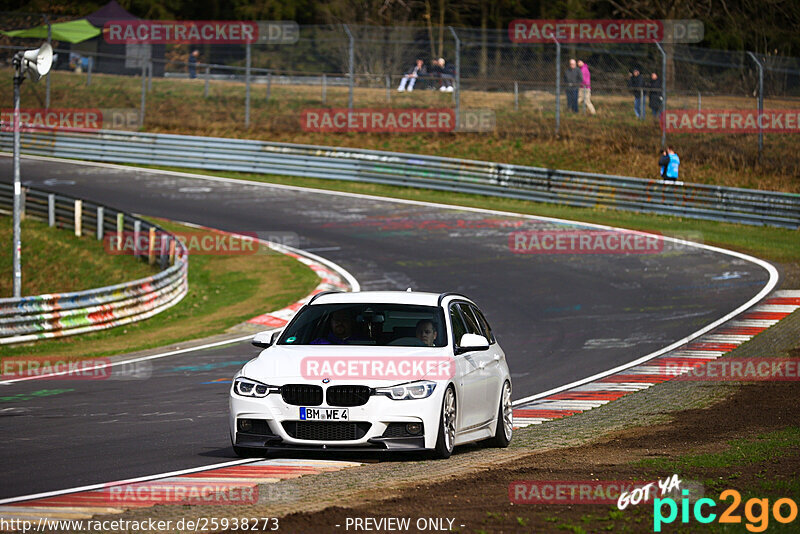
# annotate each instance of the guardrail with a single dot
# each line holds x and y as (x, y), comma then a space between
(62, 314)
(729, 204)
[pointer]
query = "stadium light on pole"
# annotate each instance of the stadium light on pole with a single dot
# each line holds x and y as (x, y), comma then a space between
(35, 63)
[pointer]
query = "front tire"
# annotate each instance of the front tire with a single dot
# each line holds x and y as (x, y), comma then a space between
(445, 441)
(505, 420)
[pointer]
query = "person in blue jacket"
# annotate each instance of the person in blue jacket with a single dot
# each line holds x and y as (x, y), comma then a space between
(674, 163)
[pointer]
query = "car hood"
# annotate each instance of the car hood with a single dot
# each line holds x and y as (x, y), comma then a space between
(281, 364)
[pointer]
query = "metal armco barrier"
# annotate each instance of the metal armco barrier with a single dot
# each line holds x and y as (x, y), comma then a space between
(729, 204)
(62, 314)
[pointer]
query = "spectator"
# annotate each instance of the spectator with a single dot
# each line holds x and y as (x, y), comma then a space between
(663, 162)
(656, 97)
(585, 94)
(636, 85)
(411, 75)
(76, 62)
(448, 74)
(674, 163)
(193, 63)
(573, 80)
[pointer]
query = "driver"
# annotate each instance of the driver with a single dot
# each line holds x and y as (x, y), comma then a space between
(426, 332)
(342, 326)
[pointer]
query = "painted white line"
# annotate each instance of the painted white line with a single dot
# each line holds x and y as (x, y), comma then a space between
(768, 287)
(103, 485)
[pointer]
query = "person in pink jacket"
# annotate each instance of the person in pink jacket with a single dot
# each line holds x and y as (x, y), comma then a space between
(585, 94)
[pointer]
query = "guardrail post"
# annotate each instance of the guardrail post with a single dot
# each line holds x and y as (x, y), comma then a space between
(205, 88)
(137, 235)
(120, 228)
(151, 252)
(324, 87)
(51, 209)
(78, 217)
(163, 252)
(247, 87)
(351, 65)
(100, 222)
(760, 102)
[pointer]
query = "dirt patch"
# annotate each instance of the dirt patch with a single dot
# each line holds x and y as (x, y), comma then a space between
(480, 501)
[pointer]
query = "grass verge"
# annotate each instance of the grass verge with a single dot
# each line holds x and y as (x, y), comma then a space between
(223, 291)
(45, 252)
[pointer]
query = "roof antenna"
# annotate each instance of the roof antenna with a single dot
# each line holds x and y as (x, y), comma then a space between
(408, 290)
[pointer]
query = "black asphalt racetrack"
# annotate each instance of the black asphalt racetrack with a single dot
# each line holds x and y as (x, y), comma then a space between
(559, 317)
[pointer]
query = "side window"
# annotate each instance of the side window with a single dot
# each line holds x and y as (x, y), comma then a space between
(459, 329)
(473, 327)
(484, 324)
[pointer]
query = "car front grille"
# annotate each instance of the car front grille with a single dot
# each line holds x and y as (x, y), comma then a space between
(348, 395)
(301, 394)
(326, 430)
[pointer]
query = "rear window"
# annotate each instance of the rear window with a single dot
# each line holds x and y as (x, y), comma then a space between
(366, 324)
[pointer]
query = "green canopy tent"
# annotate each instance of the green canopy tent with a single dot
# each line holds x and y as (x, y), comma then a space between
(73, 31)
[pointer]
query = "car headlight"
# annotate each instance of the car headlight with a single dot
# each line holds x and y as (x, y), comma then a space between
(252, 388)
(410, 391)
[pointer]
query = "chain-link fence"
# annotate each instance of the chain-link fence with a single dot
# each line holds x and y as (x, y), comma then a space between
(268, 86)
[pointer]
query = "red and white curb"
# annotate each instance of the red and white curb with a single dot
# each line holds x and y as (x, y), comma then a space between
(214, 487)
(696, 353)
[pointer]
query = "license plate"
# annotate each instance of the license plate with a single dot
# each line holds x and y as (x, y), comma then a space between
(324, 414)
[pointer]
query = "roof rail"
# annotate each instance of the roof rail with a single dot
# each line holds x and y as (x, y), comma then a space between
(312, 299)
(449, 294)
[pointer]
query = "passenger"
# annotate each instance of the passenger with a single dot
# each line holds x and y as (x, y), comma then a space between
(426, 332)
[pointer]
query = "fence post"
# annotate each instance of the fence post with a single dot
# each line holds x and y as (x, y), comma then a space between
(663, 94)
(641, 110)
(151, 251)
(162, 253)
(205, 89)
(699, 101)
(351, 65)
(172, 251)
(89, 72)
(51, 209)
(760, 102)
(324, 88)
(100, 222)
(137, 235)
(516, 95)
(558, 86)
(120, 228)
(47, 81)
(269, 84)
(149, 75)
(458, 76)
(144, 98)
(247, 88)
(388, 89)
(78, 217)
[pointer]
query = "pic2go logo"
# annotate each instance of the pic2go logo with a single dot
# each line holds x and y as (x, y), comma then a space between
(757, 522)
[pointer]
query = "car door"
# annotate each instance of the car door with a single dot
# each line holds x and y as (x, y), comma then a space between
(479, 376)
(467, 374)
(494, 367)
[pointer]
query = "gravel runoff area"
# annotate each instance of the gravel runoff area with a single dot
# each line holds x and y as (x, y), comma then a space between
(677, 416)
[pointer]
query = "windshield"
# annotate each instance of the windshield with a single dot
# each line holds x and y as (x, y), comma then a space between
(367, 324)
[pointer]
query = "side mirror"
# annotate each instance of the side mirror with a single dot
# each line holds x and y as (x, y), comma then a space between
(470, 342)
(263, 340)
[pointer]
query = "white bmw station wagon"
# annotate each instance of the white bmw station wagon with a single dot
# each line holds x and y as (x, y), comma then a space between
(374, 370)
